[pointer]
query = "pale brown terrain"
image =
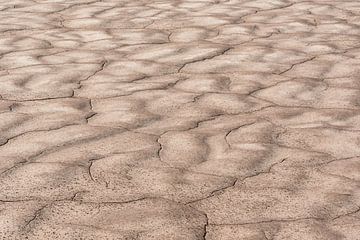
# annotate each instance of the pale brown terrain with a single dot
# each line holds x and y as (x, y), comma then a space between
(180, 119)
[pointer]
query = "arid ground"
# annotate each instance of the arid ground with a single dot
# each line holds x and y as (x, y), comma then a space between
(180, 119)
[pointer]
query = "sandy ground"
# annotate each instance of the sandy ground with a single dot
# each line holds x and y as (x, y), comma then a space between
(180, 119)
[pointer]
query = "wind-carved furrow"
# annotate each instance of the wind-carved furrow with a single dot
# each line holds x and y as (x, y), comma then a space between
(205, 58)
(169, 37)
(160, 149)
(32, 158)
(125, 202)
(197, 124)
(290, 220)
(205, 227)
(76, 5)
(234, 129)
(15, 201)
(89, 171)
(16, 165)
(296, 64)
(357, 210)
(73, 197)
(42, 98)
(91, 113)
(71, 143)
(235, 182)
(339, 159)
(35, 216)
(101, 68)
(89, 116)
(258, 89)
(267, 171)
(89, 168)
(37, 131)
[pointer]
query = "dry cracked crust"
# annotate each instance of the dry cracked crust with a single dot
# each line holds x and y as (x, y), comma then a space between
(147, 119)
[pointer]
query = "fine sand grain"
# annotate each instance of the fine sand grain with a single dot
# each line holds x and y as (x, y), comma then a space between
(179, 119)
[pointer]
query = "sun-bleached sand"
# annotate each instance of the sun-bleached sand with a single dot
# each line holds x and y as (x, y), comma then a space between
(179, 120)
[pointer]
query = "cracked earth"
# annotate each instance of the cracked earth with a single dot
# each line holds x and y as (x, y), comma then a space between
(183, 119)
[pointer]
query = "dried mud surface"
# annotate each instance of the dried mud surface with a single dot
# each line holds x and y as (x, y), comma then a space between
(184, 119)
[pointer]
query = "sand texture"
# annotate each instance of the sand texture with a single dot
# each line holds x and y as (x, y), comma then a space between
(180, 119)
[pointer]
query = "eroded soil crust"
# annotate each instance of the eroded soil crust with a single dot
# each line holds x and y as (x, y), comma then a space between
(183, 119)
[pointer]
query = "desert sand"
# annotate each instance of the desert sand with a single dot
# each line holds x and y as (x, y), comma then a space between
(180, 119)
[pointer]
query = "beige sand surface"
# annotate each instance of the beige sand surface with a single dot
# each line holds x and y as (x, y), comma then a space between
(180, 119)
